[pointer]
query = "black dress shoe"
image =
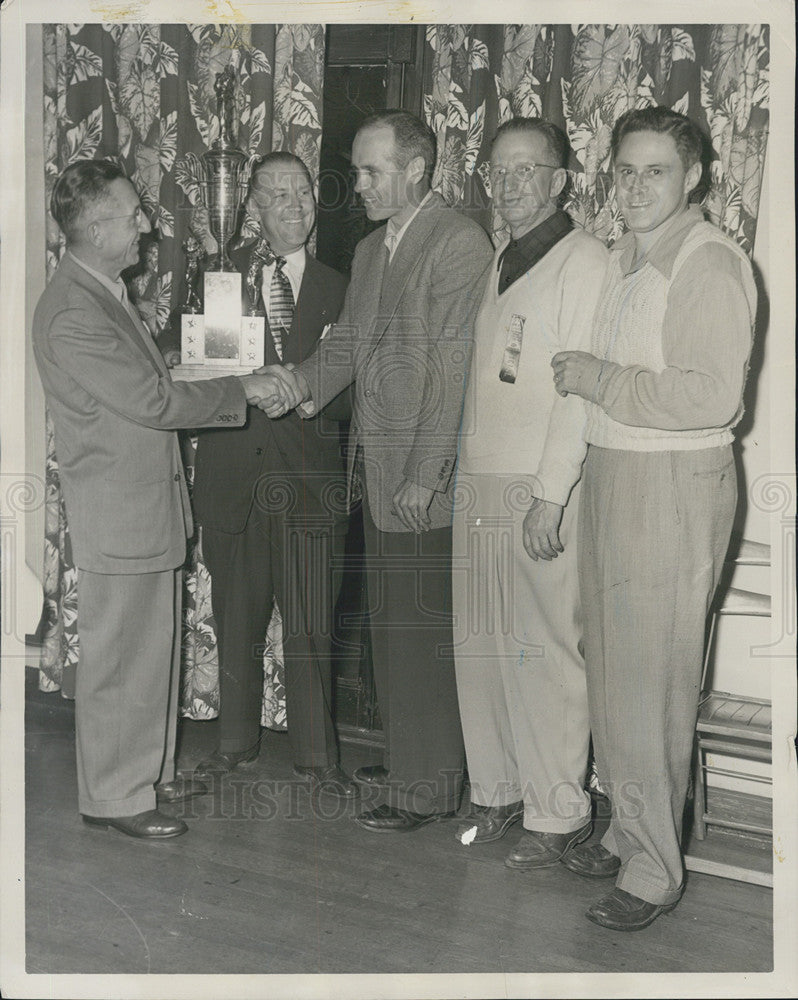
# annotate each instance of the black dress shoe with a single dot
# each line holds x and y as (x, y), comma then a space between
(592, 861)
(151, 825)
(541, 850)
(371, 774)
(180, 789)
(486, 823)
(330, 779)
(389, 819)
(224, 763)
(621, 911)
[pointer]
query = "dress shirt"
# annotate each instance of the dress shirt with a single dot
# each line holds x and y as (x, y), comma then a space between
(294, 269)
(393, 234)
(520, 255)
(116, 288)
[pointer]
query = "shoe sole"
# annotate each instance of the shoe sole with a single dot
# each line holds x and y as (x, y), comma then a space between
(526, 866)
(404, 829)
(587, 874)
(165, 800)
(613, 926)
(494, 836)
(324, 789)
(105, 825)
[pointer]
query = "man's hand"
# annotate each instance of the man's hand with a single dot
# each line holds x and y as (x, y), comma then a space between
(542, 530)
(577, 372)
(273, 389)
(411, 505)
(171, 357)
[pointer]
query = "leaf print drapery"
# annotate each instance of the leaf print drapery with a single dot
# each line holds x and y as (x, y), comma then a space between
(583, 77)
(143, 95)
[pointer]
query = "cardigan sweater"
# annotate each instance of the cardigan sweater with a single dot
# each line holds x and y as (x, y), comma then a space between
(675, 338)
(525, 427)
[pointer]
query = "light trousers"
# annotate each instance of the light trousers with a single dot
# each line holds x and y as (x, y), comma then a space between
(520, 672)
(654, 529)
(126, 689)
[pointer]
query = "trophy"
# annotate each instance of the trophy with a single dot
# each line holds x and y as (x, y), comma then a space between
(221, 340)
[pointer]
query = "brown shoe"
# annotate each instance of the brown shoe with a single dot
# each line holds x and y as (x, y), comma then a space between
(330, 779)
(180, 789)
(389, 819)
(150, 825)
(484, 824)
(621, 911)
(592, 861)
(223, 763)
(541, 850)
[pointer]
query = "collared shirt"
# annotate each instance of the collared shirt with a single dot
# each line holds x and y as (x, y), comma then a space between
(294, 269)
(522, 254)
(663, 252)
(116, 288)
(393, 234)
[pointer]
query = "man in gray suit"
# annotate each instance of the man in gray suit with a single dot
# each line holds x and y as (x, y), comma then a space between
(403, 338)
(115, 411)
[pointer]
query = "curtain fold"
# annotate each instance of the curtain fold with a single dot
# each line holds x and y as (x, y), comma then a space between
(143, 96)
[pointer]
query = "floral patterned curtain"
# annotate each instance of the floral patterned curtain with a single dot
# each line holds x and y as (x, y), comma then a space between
(583, 77)
(143, 95)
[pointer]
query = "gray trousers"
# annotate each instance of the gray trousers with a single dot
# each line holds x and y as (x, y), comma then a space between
(654, 529)
(520, 672)
(126, 689)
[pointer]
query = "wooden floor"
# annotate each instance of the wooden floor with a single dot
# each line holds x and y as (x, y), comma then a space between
(269, 880)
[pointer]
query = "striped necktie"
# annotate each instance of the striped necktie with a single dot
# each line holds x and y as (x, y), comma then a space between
(281, 305)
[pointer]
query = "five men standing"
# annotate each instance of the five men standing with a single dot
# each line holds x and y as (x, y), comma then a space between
(655, 335)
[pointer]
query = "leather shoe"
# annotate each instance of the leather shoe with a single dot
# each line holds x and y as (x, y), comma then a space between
(621, 911)
(179, 789)
(224, 763)
(592, 861)
(150, 825)
(541, 850)
(371, 774)
(486, 823)
(329, 778)
(389, 819)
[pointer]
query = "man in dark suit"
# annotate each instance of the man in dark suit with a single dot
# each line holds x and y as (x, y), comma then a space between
(404, 339)
(271, 501)
(115, 411)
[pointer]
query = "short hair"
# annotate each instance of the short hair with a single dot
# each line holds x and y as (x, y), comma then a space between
(690, 140)
(411, 137)
(81, 184)
(556, 139)
(275, 158)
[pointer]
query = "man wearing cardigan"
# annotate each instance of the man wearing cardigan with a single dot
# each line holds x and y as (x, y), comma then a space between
(270, 499)
(404, 338)
(664, 385)
(520, 672)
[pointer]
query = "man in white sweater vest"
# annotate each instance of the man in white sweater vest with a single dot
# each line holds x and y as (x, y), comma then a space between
(664, 385)
(520, 673)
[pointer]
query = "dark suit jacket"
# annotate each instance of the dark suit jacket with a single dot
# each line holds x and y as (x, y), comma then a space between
(115, 411)
(404, 336)
(288, 465)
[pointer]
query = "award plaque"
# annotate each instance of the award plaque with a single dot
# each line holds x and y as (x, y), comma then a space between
(218, 340)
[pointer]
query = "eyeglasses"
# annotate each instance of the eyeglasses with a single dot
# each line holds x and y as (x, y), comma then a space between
(523, 172)
(136, 215)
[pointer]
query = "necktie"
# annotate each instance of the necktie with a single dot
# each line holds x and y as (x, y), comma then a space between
(281, 305)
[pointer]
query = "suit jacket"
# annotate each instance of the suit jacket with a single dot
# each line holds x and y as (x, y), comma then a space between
(404, 336)
(287, 465)
(115, 411)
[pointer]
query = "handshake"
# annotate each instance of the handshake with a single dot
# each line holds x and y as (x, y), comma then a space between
(275, 389)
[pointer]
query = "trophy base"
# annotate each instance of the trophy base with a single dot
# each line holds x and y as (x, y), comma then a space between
(195, 373)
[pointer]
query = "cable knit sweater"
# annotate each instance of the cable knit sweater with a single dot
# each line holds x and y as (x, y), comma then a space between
(524, 427)
(675, 336)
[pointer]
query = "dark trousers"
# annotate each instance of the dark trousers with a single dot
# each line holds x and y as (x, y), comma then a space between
(274, 560)
(410, 607)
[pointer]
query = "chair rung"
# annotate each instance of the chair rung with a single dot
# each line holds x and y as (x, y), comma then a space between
(745, 602)
(730, 749)
(742, 775)
(731, 824)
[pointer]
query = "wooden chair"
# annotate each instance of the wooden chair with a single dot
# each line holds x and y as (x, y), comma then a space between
(731, 725)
